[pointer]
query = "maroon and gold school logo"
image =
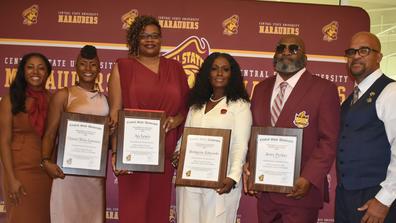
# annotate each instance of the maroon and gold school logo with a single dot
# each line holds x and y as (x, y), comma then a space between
(330, 31)
(191, 54)
(69, 161)
(231, 25)
(261, 178)
(128, 18)
(188, 173)
(30, 15)
(301, 120)
(129, 157)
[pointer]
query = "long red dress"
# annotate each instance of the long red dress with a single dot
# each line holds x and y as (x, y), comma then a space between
(146, 197)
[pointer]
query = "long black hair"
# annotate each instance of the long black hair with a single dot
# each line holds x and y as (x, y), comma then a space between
(202, 90)
(18, 86)
(136, 28)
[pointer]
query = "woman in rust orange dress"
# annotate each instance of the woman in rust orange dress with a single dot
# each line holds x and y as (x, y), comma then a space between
(146, 80)
(23, 112)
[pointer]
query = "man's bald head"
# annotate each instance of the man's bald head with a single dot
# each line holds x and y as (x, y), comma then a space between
(368, 38)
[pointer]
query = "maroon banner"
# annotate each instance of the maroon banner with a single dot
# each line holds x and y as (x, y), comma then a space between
(192, 30)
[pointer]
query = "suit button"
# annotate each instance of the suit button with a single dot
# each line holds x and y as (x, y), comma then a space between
(341, 162)
(341, 150)
(342, 175)
(343, 137)
(347, 125)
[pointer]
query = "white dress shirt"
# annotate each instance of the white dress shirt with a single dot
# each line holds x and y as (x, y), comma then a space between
(386, 111)
(291, 82)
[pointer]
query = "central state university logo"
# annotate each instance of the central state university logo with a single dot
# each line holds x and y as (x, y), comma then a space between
(191, 54)
(301, 120)
(128, 18)
(231, 25)
(30, 15)
(330, 31)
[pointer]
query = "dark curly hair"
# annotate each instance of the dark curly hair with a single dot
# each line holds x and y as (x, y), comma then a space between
(18, 86)
(202, 90)
(136, 28)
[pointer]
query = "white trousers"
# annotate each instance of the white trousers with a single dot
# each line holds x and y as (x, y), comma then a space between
(201, 205)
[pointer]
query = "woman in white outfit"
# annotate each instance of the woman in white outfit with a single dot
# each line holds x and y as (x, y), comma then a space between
(218, 100)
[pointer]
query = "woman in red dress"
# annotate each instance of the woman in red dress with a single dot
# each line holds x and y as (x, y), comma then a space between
(146, 80)
(23, 113)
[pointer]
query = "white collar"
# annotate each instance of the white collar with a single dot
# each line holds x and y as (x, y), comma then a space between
(292, 81)
(369, 80)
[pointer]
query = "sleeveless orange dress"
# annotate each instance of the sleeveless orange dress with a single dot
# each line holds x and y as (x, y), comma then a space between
(26, 158)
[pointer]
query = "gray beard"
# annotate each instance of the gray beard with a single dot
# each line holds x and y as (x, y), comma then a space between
(293, 67)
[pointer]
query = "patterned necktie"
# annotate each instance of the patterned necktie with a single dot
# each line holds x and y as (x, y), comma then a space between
(355, 95)
(278, 103)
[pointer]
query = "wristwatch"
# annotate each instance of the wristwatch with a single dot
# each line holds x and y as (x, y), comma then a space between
(43, 160)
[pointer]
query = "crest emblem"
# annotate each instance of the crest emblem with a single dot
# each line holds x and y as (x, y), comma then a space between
(330, 31)
(301, 120)
(191, 54)
(30, 15)
(231, 25)
(128, 18)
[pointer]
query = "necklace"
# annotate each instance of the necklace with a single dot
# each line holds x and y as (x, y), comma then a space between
(216, 100)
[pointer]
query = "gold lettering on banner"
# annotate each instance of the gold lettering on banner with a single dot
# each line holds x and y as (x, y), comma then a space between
(254, 83)
(87, 18)
(2, 206)
(278, 28)
(341, 93)
(191, 57)
(183, 23)
(107, 81)
(92, 20)
(112, 215)
(190, 53)
(50, 85)
(336, 78)
(10, 76)
(169, 24)
(62, 78)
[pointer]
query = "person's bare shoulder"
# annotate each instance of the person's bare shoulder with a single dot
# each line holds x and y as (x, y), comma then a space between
(60, 97)
(5, 103)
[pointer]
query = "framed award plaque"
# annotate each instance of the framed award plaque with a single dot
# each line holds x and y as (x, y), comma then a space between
(141, 140)
(83, 144)
(203, 157)
(275, 158)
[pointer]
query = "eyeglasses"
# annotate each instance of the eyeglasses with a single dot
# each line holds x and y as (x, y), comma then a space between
(293, 48)
(362, 51)
(146, 36)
